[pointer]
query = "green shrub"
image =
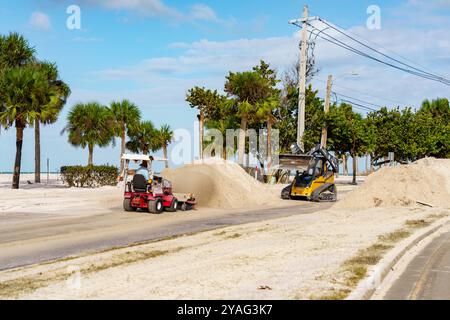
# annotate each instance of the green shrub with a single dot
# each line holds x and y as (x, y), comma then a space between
(91, 176)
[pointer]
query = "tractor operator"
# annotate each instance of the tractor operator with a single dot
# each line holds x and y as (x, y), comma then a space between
(145, 170)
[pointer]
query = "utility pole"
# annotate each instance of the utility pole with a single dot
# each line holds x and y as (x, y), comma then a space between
(326, 110)
(302, 80)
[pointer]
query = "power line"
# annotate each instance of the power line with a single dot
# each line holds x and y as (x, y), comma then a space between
(333, 40)
(366, 108)
(343, 45)
(356, 99)
(366, 94)
(383, 47)
(381, 53)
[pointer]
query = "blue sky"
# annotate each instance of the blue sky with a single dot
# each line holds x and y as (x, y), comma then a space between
(152, 51)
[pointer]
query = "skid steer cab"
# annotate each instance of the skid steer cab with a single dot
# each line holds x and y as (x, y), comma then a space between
(314, 174)
(145, 191)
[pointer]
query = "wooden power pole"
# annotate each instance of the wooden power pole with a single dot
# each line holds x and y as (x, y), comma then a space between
(323, 142)
(302, 80)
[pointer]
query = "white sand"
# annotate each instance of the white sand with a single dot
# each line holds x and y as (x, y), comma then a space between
(427, 180)
(298, 257)
(56, 199)
(220, 184)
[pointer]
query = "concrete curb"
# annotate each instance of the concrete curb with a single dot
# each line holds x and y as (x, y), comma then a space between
(378, 273)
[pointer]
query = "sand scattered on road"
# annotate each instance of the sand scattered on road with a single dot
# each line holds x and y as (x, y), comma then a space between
(426, 180)
(220, 184)
(297, 257)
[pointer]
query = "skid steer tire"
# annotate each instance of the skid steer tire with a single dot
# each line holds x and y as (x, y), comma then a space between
(286, 193)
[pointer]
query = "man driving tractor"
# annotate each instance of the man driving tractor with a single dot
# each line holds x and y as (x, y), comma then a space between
(149, 192)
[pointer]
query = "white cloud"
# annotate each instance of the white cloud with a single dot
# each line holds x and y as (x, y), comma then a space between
(433, 3)
(197, 12)
(211, 57)
(203, 12)
(40, 20)
(144, 7)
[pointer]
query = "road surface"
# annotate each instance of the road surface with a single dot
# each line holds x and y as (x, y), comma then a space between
(427, 276)
(25, 239)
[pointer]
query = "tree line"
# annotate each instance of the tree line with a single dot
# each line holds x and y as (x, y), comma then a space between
(93, 124)
(259, 99)
(32, 94)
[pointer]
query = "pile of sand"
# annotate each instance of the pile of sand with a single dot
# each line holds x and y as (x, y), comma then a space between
(220, 184)
(427, 180)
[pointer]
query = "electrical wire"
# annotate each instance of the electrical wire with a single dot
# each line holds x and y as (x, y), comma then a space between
(343, 45)
(381, 53)
(383, 47)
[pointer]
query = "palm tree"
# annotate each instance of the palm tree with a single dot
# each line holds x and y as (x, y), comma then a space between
(265, 113)
(20, 95)
(248, 88)
(207, 102)
(127, 116)
(165, 137)
(57, 93)
(90, 125)
(16, 52)
(143, 138)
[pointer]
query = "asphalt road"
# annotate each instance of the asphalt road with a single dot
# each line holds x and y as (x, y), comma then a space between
(26, 240)
(427, 276)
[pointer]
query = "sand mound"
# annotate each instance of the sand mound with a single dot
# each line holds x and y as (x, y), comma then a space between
(219, 184)
(427, 180)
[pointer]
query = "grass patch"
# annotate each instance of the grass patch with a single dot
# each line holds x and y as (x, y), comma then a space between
(221, 233)
(436, 216)
(395, 236)
(14, 287)
(234, 236)
(417, 223)
(335, 295)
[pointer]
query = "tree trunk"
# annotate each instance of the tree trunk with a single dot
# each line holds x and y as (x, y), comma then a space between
(355, 159)
(18, 161)
(37, 151)
(91, 153)
(367, 164)
(166, 162)
(201, 127)
(357, 165)
(269, 144)
(242, 132)
(122, 151)
(372, 169)
(344, 163)
(224, 152)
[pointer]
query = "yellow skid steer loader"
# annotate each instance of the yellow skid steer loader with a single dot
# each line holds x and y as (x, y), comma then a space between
(314, 174)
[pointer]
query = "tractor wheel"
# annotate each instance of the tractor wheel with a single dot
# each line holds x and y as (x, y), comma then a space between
(286, 193)
(156, 206)
(174, 206)
(127, 205)
(184, 206)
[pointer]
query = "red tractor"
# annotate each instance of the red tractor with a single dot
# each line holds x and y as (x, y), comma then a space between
(154, 195)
